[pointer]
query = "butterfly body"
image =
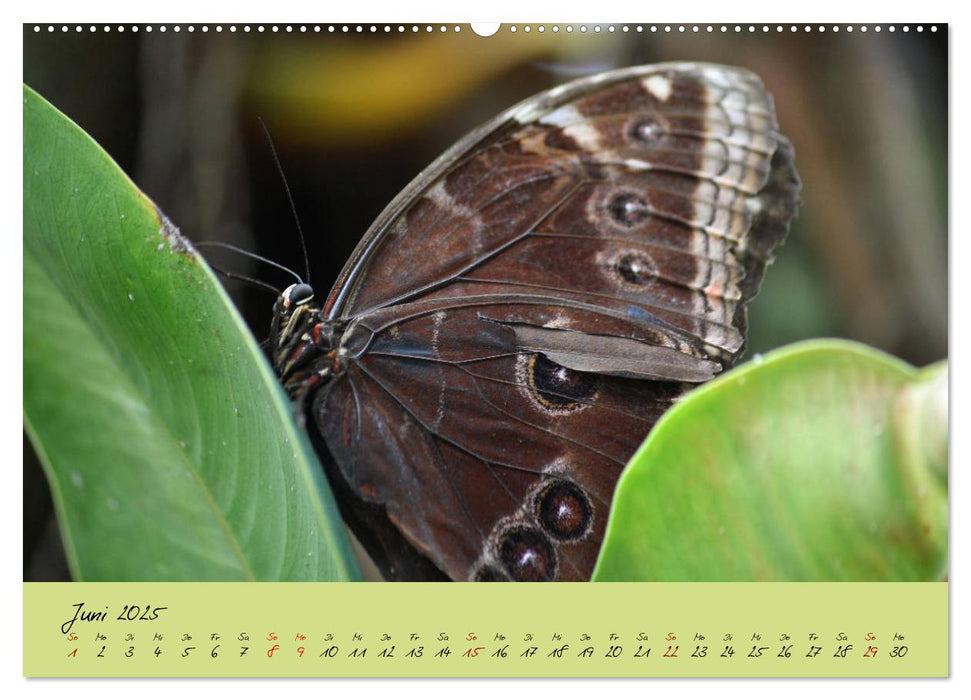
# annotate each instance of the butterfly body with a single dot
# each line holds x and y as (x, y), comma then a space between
(513, 324)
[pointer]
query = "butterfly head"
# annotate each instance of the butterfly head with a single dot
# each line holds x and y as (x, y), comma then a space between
(297, 294)
(303, 345)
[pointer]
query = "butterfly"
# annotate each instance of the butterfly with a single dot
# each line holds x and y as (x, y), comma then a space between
(517, 319)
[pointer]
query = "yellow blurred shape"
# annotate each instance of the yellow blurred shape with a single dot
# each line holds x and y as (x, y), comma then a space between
(354, 91)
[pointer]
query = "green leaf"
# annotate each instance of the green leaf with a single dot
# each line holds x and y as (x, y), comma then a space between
(168, 444)
(824, 461)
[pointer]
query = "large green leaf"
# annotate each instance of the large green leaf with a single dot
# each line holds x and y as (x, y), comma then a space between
(824, 461)
(170, 449)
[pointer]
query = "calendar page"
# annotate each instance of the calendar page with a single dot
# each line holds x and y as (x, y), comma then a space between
(336, 336)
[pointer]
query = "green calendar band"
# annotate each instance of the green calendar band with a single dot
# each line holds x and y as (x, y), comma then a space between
(501, 630)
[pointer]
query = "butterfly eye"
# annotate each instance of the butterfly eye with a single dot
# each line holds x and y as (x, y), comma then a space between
(629, 209)
(563, 510)
(527, 554)
(647, 131)
(636, 268)
(557, 387)
(298, 294)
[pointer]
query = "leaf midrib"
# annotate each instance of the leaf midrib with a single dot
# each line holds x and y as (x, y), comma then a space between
(156, 418)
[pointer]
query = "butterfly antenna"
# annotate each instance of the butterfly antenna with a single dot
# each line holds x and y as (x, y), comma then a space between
(249, 280)
(293, 207)
(248, 254)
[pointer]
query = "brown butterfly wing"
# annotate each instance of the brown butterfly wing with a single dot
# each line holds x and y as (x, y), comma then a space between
(523, 314)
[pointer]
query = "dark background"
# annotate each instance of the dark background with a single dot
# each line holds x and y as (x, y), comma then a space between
(354, 117)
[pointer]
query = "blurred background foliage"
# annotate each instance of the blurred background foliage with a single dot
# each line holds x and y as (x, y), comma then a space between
(355, 117)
